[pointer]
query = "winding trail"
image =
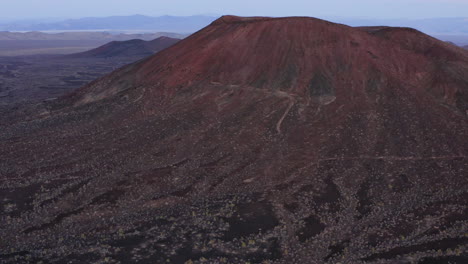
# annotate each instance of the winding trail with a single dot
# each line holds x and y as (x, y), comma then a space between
(290, 105)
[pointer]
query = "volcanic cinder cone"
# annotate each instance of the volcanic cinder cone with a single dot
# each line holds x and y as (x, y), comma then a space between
(285, 140)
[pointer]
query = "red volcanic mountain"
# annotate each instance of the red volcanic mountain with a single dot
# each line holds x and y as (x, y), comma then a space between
(304, 57)
(128, 48)
(254, 140)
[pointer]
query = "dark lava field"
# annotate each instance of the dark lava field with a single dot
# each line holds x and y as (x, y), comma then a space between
(27, 79)
(254, 140)
(44, 77)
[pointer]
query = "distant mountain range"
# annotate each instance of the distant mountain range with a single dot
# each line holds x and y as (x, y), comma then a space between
(129, 48)
(186, 24)
(84, 36)
(189, 24)
(447, 29)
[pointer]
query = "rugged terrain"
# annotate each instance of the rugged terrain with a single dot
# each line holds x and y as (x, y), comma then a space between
(27, 79)
(44, 77)
(255, 140)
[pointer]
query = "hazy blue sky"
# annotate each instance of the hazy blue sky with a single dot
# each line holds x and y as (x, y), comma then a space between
(20, 9)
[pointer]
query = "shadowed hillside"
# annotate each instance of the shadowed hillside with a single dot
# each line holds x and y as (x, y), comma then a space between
(129, 48)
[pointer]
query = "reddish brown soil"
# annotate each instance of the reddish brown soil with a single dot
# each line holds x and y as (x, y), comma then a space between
(255, 140)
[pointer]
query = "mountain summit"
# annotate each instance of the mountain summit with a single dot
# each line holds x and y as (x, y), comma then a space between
(304, 57)
(260, 140)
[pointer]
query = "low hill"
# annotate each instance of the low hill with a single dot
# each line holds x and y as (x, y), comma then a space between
(34, 43)
(129, 48)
